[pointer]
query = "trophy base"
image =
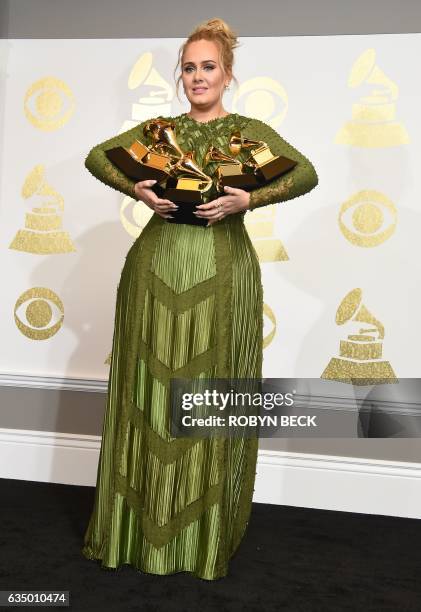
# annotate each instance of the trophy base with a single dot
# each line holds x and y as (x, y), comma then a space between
(274, 168)
(185, 215)
(133, 169)
(187, 200)
(183, 196)
(248, 182)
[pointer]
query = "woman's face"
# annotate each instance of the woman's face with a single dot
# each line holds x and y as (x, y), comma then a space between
(202, 75)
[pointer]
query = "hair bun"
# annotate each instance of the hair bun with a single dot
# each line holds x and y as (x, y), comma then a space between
(219, 25)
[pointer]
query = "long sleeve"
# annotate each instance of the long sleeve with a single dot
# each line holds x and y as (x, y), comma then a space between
(101, 168)
(298, 181)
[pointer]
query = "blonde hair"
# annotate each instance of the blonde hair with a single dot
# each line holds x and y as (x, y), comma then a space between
(218, 31)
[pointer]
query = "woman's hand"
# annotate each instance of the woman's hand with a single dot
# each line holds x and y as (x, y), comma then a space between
(236, 200)
(144, 192)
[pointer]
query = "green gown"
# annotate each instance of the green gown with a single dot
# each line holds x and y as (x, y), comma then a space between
(189, 304)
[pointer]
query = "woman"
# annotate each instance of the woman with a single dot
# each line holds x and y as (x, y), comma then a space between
(189, 305)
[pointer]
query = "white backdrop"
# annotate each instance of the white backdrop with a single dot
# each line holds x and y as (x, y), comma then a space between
(349, 103)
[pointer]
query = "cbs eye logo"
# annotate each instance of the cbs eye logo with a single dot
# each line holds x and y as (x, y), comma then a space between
(367, 219)
(267, 310)
(39, 313)
(49, 103)
(262, 97)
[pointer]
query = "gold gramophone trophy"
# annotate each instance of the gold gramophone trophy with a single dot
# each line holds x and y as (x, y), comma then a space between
(186, 181)
(230, 171)
(264, 164)
(140, 162)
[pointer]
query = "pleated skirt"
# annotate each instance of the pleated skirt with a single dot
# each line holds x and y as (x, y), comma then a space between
(189, 304)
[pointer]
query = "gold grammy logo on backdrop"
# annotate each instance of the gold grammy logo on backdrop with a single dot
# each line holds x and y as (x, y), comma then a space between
(46, 111)
(359, 361)
(42, 234)
(368, 209)
(157, 101)
(373, 121)
(261, 228)
(260, 97)
(39, 313)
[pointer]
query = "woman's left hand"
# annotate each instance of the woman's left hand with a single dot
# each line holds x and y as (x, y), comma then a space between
(235, 200)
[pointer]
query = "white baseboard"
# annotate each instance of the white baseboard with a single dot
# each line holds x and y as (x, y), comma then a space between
(46, 456)
(347, 484)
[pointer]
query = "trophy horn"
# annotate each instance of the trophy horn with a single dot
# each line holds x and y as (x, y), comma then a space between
(36, 184)
(215, 154)
(238, 142)
(351, 308)
(187, 165)
(162, 133)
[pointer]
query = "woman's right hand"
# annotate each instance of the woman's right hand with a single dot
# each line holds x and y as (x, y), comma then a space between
(162, 207)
